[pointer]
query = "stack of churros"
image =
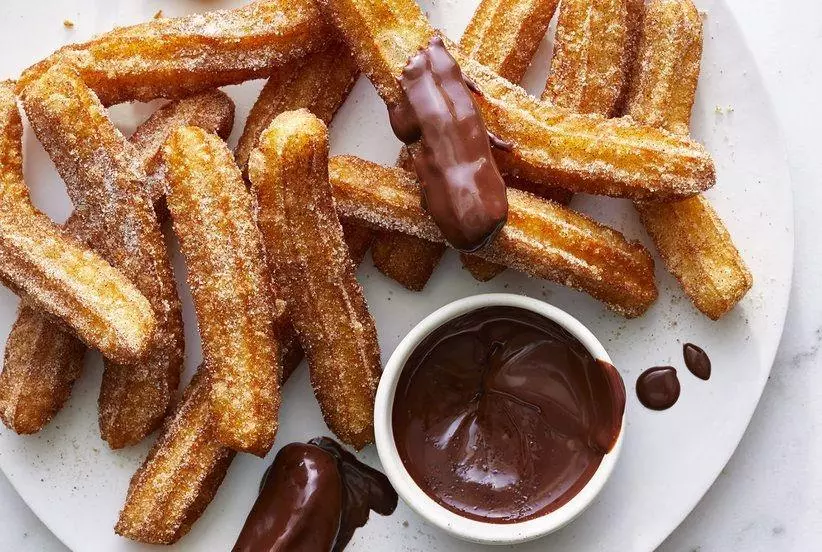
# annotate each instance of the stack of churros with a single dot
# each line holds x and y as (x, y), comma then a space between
(272, 232)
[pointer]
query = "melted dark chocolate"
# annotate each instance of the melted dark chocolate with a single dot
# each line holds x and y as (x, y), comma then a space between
(658, 388)
(697, 361)
(314, 496)
(501, 415)
(463, 189)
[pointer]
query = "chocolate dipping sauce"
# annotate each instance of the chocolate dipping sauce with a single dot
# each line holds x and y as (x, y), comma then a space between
(313, 498)
(501, 415)
(697, 361)
(463, 189)
(658, 388)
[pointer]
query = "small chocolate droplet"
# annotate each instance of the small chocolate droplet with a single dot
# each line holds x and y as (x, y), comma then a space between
(658, 388)
(697, 361)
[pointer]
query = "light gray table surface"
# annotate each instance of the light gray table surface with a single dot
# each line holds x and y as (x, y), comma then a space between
(769, 497)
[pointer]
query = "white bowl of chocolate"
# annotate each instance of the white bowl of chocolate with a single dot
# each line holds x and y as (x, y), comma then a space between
(499, 418)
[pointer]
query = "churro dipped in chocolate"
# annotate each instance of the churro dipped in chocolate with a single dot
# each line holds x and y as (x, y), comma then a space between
(593, 49)
(548, 145)
(42, 358)
(691, 238)
(107, 187)
(181, 474)
(541, 238)
(503, 35)
(177, 57)
(212, 213)
(304, 242)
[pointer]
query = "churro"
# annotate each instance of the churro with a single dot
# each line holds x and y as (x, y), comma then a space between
(212, 111)
(591, 56)
(289, 172)
(213, 216)
(42, 358)
(504, 35)
(41, 363)
(319, 82)
(541, 238)
(549, 145)
(691, 238)
(56, 273)
(177, 57)
(106, 185)
(181, 474)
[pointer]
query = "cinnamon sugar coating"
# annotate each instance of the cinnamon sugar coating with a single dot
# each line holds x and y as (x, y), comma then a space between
(177, 57)
(591, 56)
(541, 238)
(43, 359)
(689, 235)
(181, 473)
(309, 258)
(106, 185)
(213, 216)
(56, 273)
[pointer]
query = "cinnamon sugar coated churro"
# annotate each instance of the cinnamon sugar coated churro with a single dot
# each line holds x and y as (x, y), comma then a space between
(212, 214)
(541, 238)
(176, 57)
(504, 35)
(319, 82)
(41, 363)
(106, 185)
(550, 145)
(212, 111)
(56, 273)
(181, 474)
(289, 172)
(691, 238)
(591, 56)
(42, 358)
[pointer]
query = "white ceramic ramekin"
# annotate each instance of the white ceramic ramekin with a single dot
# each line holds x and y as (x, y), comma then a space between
(425, 506)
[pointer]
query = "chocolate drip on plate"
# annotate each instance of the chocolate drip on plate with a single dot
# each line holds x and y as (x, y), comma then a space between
(697, 361)
(658, 388)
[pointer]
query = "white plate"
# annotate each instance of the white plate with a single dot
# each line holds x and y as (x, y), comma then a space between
(76, 485)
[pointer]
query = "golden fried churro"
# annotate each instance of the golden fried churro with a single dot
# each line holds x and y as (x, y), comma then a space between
(289, 172)
(319, 82)
(177, 57)
(504, 35)
(181, 474)
(106, 185)
(212, 111)
(54, 272)
(541, 238)
(588, 70)
(41, 363)
(42, 358)
(212, 214)
(550, 145)
(690, 236)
